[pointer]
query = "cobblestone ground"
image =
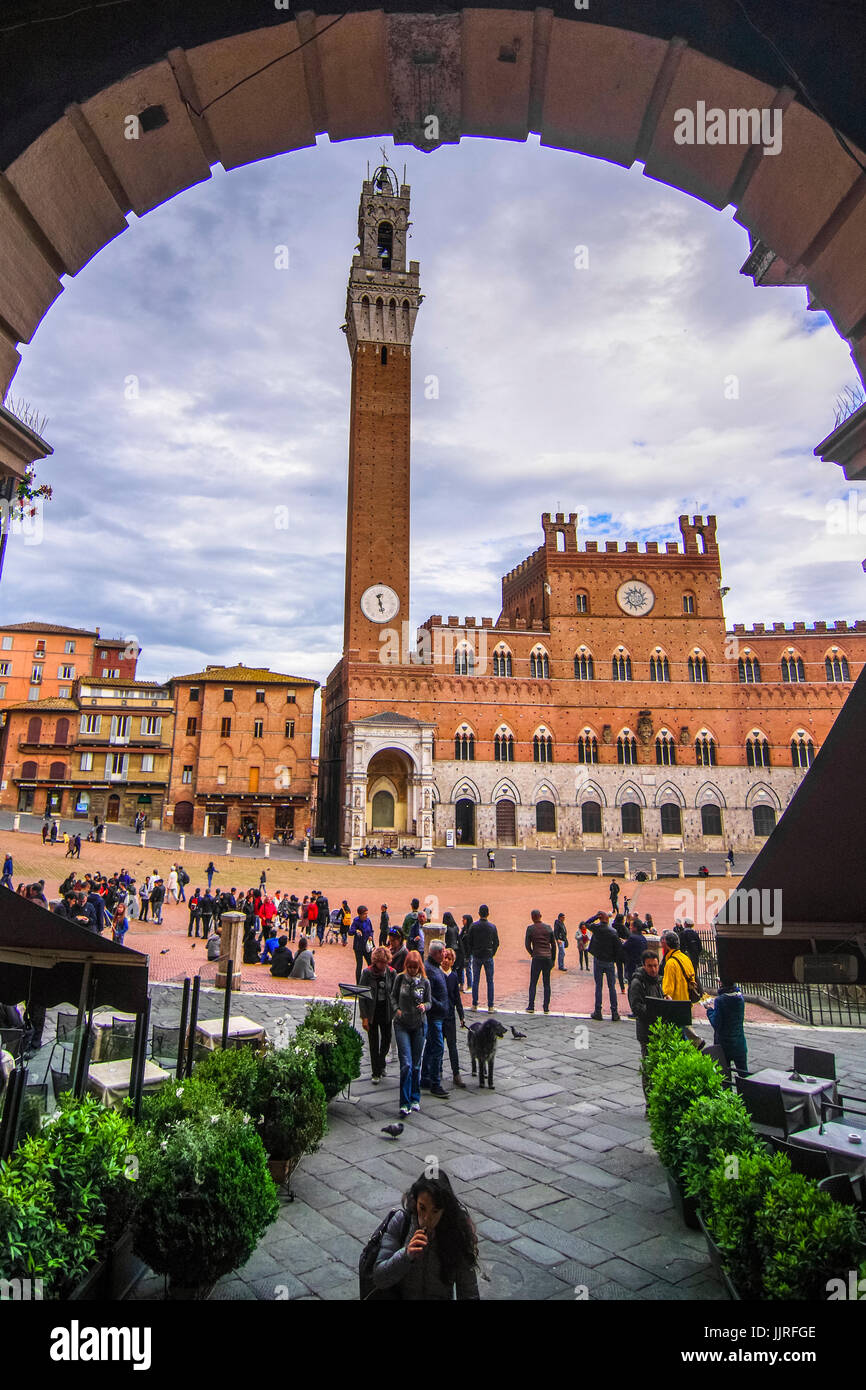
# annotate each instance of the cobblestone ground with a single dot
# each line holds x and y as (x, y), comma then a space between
(555, 1165)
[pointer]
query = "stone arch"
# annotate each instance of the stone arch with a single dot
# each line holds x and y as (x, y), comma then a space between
(465, 790)
(545, 791)
(668, 791)
(590, 791)
(762, 794)
(506, 790)
(630, 791)
(75, 177)
(708, 794)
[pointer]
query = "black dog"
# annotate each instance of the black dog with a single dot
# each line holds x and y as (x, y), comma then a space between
(482, 1039)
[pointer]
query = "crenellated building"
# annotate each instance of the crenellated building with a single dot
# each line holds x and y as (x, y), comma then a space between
(607, 706)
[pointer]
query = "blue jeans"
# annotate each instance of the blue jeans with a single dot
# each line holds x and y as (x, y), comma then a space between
(477, 966)
(434, 1051)
(605, 970)
(410, 1049)
(539, 965)
(560, 955)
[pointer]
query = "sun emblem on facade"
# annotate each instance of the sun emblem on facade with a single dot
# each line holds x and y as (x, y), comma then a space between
(635, 597)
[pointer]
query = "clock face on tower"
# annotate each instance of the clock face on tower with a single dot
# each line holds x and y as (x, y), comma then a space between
(635, 598)
(379, 603)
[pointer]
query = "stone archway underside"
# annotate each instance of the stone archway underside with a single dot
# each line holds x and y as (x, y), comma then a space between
(501, 73)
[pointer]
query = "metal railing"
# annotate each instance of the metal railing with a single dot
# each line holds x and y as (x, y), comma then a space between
(833, 1006)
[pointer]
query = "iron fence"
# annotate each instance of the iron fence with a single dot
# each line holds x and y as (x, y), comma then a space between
(833, 1006)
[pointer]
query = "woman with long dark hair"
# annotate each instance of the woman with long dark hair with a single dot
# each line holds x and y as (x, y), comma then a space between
(411, 998)
(377, 1011)
(429, 1249)
(464, 957)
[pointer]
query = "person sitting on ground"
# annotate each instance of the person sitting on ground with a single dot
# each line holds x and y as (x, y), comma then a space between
(282, 959)
(269, 942)
(429, 1250)
(726, 1015)
(251, 946)
(304, 967)
(214, 945)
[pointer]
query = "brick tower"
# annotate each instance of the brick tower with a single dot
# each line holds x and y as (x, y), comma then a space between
(382, 302)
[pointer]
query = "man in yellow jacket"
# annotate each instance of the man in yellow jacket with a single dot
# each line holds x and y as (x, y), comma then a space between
(678, 969)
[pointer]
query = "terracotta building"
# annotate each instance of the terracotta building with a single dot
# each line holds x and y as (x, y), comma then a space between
(105, 752)
(242, 752)
(606, 706)
(40, 661)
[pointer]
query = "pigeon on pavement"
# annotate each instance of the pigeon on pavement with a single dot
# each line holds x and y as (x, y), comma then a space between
(394, 1131)
(516, 1034)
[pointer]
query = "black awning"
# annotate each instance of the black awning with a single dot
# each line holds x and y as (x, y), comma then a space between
(811, 869)
(42, 957)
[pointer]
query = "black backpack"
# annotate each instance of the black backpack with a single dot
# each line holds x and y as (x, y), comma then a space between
(369, 1255)
(184, 878)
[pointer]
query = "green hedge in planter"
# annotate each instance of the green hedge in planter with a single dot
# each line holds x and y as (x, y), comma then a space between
(338, 1045)
(66, 1195)
(730, 1205)
(289, 1103)
(805, 1238)
(665, 1040)
(206, 1197)
(678, 1079)
(713, 1128)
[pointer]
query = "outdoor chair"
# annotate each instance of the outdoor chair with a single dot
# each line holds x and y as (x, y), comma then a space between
(718, 1055)
(847, 1107)
(813, 1061)
(841, 1188)
(766, 1105)
(812, 1163)
(67, 1025)
(10, 1041)
(61, 1082)
(119, 1044)
(165, 1047)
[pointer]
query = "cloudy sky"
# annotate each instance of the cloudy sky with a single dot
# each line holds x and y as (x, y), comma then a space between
(197, 396)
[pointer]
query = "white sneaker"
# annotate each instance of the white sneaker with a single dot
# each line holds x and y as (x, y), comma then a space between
(416, 1105)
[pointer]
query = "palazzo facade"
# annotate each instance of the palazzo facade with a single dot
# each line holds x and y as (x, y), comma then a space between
(606, 706)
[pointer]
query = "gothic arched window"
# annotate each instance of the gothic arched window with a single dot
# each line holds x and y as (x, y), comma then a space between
(698, 672)
(621, 667)
(659, 668)
(802, 750)
(539, 664)
(836, 667)
(757, 750)
(542, 748)
(464, 746)
(666, 749)
(793, 669)
(705, 750)
(587, 749)
(502, 665)
(749, 670)
(626, 748)
(584, 667)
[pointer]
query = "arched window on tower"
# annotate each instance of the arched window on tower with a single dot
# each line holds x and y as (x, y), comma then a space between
(749, 669)
(621, 667)
(385, 244)
(542, 747)
(793, 669)
(698, 672)
(705, 749)
(587, 747)
(836, 666)
(802, 750)
(464, 660)
(666, 749)
(626, 748)
(539, 664)
(659, 668)
(384, 357)
(503, 746)
(757, 750)
(464, 745)
(583, 602)
(584, 667)
(502, 664)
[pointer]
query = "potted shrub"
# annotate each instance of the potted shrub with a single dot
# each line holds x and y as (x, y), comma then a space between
(338, 1046)
(205, 1199)
(730, 1206)
(292, 1108)
(804, 1239)
(66, 1200)
(677, 1080)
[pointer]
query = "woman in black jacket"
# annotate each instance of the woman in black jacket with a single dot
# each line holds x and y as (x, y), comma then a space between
(377, 1012)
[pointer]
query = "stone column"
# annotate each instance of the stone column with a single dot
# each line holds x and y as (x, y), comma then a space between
(231, 949)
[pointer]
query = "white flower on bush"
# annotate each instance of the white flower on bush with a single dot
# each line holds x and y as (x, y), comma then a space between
(179, 1092)
(214, 1119)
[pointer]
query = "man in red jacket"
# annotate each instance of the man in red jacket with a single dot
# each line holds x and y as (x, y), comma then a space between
(541, 946)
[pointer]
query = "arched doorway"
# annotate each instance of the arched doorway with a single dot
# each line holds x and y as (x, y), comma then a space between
(113, 809)
(183, 815)
(506, 823)
(464, 818)
(390, 812)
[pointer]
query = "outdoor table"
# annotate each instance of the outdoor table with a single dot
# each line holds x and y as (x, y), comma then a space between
(110, 1080)
(802, 1098)
(209, 1031)
(102, 1025)
(844, 1156)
